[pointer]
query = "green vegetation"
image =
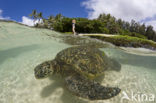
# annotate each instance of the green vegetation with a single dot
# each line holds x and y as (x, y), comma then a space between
(70, 33)
(127, 41)
(103, 24)
(130, 33)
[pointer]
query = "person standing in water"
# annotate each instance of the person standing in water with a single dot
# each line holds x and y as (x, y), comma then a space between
(73, 26)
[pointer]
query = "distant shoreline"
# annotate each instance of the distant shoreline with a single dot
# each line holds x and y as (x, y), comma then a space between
(124, 40)
(118, 40)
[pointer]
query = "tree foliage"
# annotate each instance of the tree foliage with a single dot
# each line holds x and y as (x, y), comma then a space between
(105, 23)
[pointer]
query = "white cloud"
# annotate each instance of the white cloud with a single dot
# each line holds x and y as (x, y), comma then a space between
(3, 18)
(28, 21)
(153, 23)
(125, 9)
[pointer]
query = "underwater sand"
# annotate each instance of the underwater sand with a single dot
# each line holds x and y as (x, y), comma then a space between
(22, 48)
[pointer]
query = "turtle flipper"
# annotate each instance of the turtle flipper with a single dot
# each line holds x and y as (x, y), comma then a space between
(90, 89)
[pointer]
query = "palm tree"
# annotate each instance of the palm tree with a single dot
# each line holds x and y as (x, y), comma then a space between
(34, 15)
(39, 15)
(51, 19)
(58, 17)
(45, 23)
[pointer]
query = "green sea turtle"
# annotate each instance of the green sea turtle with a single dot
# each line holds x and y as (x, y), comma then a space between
(79, 66)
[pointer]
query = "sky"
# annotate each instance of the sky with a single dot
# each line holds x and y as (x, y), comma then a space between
(142, 11)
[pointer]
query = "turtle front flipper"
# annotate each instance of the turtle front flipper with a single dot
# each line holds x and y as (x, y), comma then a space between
(92, 90)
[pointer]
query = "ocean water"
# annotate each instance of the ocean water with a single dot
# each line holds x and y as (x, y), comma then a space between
(22, 48)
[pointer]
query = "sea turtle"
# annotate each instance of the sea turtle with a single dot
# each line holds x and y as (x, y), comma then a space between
(79, 65)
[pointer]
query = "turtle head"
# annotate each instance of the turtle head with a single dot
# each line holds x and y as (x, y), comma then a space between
(44, 69)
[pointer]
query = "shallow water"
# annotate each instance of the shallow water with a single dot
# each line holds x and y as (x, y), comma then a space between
(22, 48)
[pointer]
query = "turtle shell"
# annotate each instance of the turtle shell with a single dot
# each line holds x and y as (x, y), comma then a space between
(87, 61)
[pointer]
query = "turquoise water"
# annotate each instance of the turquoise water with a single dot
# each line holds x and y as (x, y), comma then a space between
(22, 48)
